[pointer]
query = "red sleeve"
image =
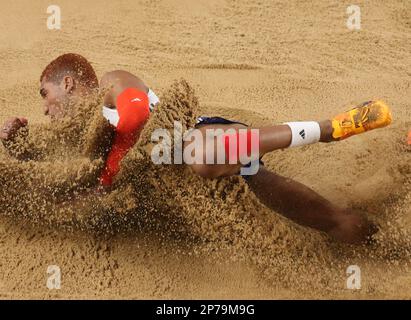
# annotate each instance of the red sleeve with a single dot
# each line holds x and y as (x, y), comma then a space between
(133, 109)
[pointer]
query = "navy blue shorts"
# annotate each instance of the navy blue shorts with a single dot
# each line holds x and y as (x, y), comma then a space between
(215, 120)
(218, 120)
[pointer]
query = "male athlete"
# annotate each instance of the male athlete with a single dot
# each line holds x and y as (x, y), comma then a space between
(127, 105)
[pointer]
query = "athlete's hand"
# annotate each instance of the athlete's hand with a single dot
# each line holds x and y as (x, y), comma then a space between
(11, 127)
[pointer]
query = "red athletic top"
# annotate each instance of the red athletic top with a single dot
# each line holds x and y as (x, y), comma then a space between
(133, 110)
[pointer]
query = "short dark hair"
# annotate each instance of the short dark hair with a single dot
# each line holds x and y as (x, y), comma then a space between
(71, 64)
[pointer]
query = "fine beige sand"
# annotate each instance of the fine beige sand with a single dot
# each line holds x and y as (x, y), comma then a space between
(166, 234)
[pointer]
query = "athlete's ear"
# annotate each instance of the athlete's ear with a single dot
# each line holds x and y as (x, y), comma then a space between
(68, 84)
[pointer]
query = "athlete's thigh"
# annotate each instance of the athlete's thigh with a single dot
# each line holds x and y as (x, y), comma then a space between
(208, 166)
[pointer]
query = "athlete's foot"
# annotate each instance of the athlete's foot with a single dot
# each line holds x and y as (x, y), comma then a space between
(368, 116)
(354, 229)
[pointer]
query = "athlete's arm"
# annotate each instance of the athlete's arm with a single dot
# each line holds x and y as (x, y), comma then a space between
(129, 96)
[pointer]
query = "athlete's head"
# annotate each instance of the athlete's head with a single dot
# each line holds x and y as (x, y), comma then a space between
(63, 81)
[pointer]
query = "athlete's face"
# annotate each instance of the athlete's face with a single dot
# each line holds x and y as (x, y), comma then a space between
(57, 97)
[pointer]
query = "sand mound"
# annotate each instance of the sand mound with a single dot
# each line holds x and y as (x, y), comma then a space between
(219, 215)
(64, 161)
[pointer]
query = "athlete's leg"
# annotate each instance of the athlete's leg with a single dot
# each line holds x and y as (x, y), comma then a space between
(279, 137)
(368, 116)
(306, 207)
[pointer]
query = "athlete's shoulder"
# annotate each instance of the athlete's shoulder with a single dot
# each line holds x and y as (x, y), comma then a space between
(113, 83)
(122, 78)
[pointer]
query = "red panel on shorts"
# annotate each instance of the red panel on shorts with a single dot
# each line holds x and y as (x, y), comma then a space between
(232, 143)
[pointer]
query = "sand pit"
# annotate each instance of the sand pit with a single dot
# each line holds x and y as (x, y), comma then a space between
(164, 233)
